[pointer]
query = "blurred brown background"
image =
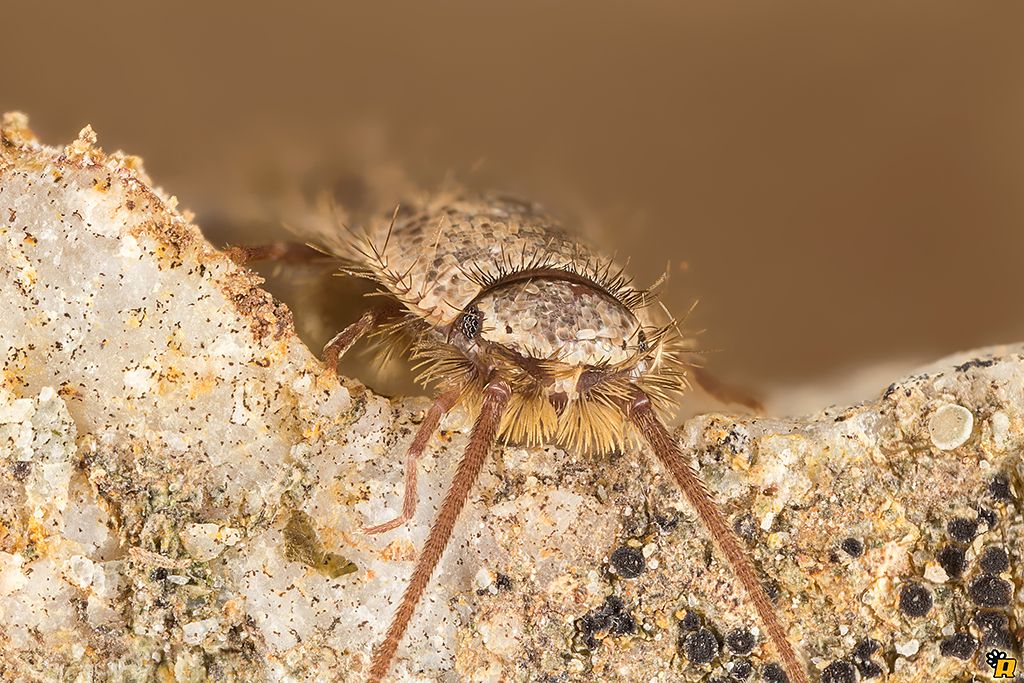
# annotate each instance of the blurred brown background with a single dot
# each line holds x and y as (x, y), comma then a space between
(838, 183)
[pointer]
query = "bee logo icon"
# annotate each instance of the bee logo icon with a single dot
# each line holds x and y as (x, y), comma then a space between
(1003, 666)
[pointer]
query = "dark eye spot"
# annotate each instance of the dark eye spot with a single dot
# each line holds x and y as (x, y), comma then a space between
(641, 341)
(469, 322)
(915, 600)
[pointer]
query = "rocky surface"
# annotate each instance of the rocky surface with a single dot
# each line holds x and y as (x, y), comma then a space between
(182, 487)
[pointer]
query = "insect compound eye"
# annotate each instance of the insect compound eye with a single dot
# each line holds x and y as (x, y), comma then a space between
(469, 322)
(641, 341)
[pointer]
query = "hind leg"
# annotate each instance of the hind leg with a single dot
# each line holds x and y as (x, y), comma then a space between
(286, 252)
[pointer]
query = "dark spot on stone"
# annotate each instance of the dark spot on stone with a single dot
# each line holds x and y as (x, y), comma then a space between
(865, 648)
(773, 673)
(21, 469)
(951, 559)
(502, 582)
(1000, 638)
(689, 622)
(868, 669)
(959, 645)
(987, 516)
(976, 363)
(701, 646)
(771, 587)
(915, 600)
(741, 670)
(839, 672)
(989, 620)
(962, 529)
(989, 591)
(740, 640)
(853, 547)
(508, 329)
(158, 574)
(612, 617)
(999, 487)
(667, 523)
(628, 562)
(889, 391)
(745, 528)
(994, 560)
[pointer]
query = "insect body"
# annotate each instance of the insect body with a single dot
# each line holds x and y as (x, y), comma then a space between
(544, 340)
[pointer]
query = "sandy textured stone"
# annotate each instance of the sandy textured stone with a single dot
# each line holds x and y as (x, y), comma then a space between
(182, 487)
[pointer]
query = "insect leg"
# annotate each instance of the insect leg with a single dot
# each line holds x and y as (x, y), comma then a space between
(344, 340)
(496, 396)
(665, 447)
(723, 392)
(288, 252)
(441, 405)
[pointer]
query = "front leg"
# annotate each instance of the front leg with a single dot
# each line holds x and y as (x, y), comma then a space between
(441, 405)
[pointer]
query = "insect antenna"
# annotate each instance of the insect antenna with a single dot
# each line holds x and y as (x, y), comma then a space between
(642, 415)
(496, 397)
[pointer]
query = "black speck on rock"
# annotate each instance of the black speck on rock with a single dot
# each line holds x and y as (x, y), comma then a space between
(158, 574)
(502, 582)
(772, 589)
(839, 672)
(989, 517)
(990, 620)
(989, 591)
(741, 670)
(999, 487)
(740, 640)
(869, 669)
(612, 617)
(746, 528)
(773, 673)
(959, 645)
(853, 547)
(701, 646)
(865, 648)
(628, 562)
(689, 622)
(951, 559)
(994, 560)
(915, 600)
(962, 529)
